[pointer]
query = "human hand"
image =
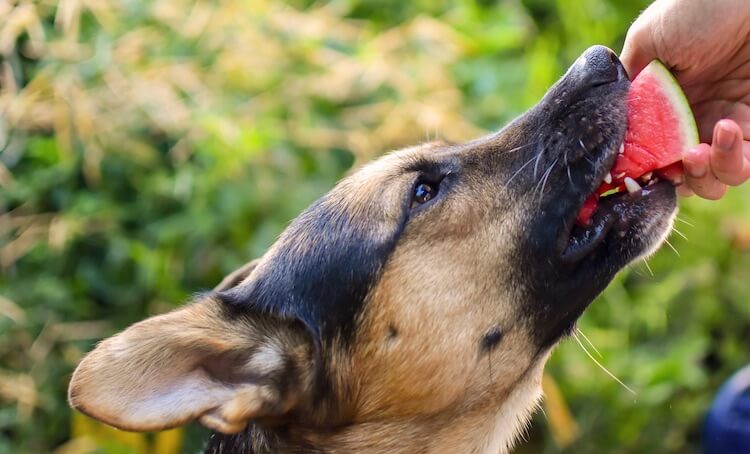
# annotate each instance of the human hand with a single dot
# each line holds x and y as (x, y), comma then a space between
(706, 44)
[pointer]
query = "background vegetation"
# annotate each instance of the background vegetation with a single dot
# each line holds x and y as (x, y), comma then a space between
(150, 147)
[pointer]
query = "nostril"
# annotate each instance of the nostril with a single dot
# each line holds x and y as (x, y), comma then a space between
(602, 66)
(614, 58)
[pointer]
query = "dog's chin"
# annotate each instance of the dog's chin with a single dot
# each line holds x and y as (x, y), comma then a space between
(625, 228)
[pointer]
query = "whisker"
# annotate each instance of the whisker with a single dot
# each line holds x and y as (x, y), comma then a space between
(520, 147)
(589, 342)
(536, 164)
(606, 371)
(677, 218)
(636, 269)
(679, 233)
(567, 166)
(648, 267)
(583, 146)
(545, 178)
(519, 171)
(671, 247)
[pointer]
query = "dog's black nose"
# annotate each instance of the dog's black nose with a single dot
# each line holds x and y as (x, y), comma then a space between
(599, 66)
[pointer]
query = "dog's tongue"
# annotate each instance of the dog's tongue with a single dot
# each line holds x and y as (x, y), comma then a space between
(660, 128)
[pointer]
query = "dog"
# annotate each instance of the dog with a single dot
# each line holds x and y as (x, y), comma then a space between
(409, 310)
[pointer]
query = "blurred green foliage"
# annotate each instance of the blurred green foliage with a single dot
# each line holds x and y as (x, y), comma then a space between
(150, 147)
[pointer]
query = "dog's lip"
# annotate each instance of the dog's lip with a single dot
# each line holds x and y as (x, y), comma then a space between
(576, 248)
(612, 217)
(601, 222)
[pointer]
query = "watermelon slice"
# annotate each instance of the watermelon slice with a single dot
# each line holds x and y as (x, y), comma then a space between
(661, 127)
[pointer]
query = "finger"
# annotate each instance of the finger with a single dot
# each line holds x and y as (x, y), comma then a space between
(726, 158)
(638, 50)
(684, 190)
(698, 176)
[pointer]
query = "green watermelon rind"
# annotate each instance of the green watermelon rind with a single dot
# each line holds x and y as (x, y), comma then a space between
(671, 88)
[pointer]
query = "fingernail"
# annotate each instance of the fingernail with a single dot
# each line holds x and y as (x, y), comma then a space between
(724, 137)
(692, 160)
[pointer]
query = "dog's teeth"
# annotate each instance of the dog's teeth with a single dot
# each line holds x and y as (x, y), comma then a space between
(632, 185)
(608, 178)
(622, 148)
(647, 177)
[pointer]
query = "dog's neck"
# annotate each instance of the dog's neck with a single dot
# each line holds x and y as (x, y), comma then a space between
(481, 430)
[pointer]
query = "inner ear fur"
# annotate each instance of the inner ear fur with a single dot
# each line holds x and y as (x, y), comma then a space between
(236, 277)
(199, 362)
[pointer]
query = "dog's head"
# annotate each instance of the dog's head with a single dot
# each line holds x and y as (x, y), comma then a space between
(429, 285)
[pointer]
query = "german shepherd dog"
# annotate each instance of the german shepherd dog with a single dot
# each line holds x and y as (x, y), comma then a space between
(409, 310)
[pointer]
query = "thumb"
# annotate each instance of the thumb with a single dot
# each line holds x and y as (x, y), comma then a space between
(638, 50)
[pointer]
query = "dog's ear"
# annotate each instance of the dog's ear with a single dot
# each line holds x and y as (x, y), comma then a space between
(235, 277)
(201, 362)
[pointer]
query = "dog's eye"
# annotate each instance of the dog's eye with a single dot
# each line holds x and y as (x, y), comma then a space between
(424, 192)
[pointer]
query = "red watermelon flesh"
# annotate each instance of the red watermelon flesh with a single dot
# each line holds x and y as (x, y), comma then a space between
(661, 127)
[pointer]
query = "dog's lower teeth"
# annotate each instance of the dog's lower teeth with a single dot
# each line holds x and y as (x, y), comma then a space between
(632, 185)
(622, 148)
(647, 177)
(608, 178)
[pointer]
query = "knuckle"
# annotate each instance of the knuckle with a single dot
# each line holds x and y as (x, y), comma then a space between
(715, 192)
(708, 187)
(734, 180)
(729, 175)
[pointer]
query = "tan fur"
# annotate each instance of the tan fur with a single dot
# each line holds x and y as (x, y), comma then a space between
(433, 308)
(489, 426)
